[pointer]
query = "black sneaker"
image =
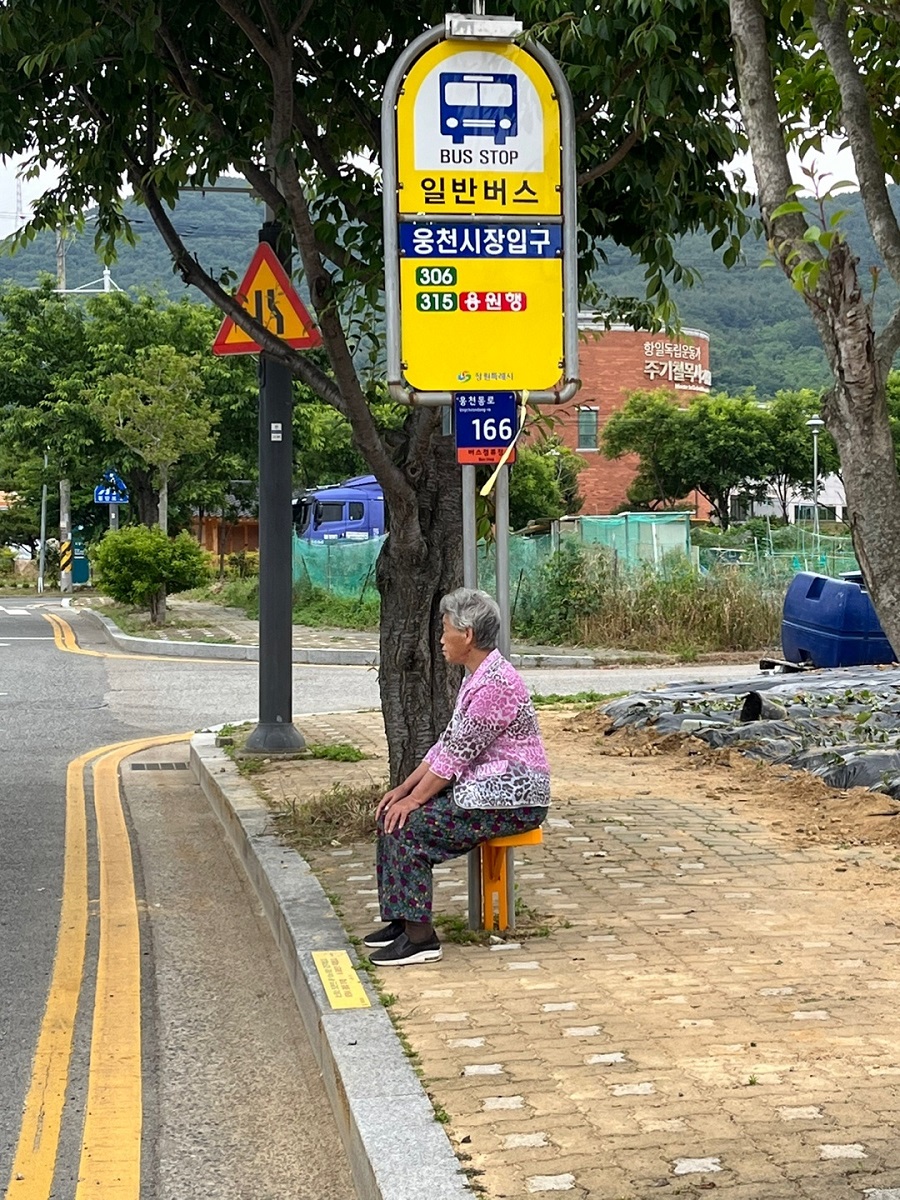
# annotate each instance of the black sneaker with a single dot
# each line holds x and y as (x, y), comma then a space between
(384, 937)
(404, 953)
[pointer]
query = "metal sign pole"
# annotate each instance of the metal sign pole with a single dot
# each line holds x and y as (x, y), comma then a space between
(481, 301)
(501, 540)
(276, 731)
(501, 537)
(470, 580)
(469, 530)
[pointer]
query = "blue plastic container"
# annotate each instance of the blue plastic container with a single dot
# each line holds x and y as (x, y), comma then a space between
(831, 623)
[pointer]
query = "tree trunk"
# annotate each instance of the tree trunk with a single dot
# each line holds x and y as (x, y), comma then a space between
(164, 500)
(158, 607)
(144, 498)
(416, 568)
(855, 412)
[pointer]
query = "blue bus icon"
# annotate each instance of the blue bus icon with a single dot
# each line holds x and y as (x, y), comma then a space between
(478, 106)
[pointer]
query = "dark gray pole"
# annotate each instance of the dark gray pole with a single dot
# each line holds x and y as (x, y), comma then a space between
(275, 732)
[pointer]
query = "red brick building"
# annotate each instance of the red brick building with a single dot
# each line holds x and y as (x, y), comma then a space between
(614, 363)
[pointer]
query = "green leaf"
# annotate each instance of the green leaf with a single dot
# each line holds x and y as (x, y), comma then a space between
(791, 206)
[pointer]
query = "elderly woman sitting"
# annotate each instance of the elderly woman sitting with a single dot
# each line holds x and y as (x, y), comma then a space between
(492, 755)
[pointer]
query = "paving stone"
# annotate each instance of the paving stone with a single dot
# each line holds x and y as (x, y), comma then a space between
(517, 1141)
(550, 1183)
(696, 1166)
(493, 1103)
(633, 1089)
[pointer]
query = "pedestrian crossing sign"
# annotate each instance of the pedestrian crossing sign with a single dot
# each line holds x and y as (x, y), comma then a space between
(267, 293)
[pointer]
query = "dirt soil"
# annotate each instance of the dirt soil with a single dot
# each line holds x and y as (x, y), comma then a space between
(589, 759)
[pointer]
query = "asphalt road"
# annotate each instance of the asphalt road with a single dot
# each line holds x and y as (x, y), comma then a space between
(225, 1098)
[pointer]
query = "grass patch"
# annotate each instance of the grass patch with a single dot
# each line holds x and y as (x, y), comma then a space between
(318, 609)
(312, 606)
(340, 815)
(248, 764)
(136, 622)
(337, 752)
(552, 699)
(456, 929)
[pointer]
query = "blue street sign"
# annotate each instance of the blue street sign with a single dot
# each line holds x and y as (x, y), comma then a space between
(110, 495)
(486, 423)
(116, 481)
(113, 489)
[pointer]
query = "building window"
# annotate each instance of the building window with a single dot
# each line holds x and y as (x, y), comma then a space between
(807, 512)
(587, 429)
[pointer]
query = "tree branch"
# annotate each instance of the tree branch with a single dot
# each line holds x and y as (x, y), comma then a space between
(887, 343)
(830, 26)
(297, 23)
(365, 432)
(759, 107)
(621, 152)
(253, 33)
(192, 273)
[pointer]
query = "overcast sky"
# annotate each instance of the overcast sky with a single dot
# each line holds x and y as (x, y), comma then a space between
(838, 163)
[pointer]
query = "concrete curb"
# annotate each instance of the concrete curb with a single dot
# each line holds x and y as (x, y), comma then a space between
(395, 1147)
(226, 650)
(312, 655)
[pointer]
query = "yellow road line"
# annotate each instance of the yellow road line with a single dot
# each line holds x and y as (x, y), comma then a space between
(32, 1172)
(64, 637)
(111, 1150)
(31, 1177)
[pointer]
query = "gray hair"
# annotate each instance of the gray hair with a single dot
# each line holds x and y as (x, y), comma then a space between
(467, 608)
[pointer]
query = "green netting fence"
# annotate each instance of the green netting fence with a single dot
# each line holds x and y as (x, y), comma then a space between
(345, 568)
(638, 537)
(636, 540)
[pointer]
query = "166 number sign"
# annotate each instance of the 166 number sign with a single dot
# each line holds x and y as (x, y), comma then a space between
(486, 423)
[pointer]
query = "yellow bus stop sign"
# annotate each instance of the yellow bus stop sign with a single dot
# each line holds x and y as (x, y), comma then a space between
(479, 203)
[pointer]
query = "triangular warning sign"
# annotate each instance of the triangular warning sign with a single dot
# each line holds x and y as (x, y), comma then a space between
(267, 293)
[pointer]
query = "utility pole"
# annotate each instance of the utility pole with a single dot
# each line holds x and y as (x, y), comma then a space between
(65, 537)
(42, 555)
(276, 731)
(65, 491)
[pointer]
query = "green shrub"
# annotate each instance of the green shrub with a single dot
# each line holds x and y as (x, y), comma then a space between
(243, 565)
(135, 564)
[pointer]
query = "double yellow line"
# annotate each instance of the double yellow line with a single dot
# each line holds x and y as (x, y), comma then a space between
(64, 637)
(111, 1143)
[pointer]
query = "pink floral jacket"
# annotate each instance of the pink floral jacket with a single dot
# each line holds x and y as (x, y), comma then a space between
(492, 747)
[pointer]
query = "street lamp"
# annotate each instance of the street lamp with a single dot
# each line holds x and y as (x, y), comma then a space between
(815, 425)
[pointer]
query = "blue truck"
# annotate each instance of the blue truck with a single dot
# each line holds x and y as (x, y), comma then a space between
(352, 511)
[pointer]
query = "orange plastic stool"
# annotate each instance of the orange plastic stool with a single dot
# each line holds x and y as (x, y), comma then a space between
(495, 856)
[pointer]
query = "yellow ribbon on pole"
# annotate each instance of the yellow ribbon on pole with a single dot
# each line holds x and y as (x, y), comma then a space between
(504, 458)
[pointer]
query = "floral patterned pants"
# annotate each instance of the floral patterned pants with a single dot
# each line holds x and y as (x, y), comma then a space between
(433, 833)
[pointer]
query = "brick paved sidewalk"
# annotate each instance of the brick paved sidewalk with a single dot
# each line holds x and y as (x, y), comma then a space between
(719, 1011)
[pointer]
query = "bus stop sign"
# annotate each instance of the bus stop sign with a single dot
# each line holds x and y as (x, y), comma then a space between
(479, 197)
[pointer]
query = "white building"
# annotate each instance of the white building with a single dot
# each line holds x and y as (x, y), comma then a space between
(832, 503)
